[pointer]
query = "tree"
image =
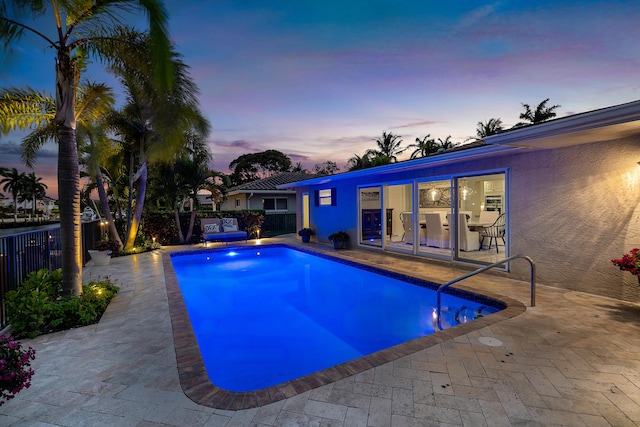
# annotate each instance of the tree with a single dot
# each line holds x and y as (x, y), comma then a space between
(79, 27)
(488, 128)
(298, 168)
(326, 168)
(155, 124)
(445, 144)
(33, 188)
(13, 182)
(423, 147)
(357, 162)
(542, 113)
(254, 166)
(93, 101)
(388, 146)
(368, 160)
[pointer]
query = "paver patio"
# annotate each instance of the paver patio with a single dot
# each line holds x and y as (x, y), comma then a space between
(574, 359)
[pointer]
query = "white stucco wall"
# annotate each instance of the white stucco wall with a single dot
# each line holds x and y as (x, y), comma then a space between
(571, 209)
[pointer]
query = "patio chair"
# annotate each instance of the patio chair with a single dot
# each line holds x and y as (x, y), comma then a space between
(493, 232)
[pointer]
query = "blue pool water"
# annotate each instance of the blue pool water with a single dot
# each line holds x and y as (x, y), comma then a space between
(266, 315)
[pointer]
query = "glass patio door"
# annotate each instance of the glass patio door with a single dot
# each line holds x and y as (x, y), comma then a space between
(400, 220)
(479, 221)
(370, 206)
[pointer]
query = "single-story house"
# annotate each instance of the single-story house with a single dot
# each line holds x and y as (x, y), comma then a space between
(265, 194)
(564, 192)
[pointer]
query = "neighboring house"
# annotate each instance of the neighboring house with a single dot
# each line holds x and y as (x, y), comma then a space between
(569, 190)
(265, 194)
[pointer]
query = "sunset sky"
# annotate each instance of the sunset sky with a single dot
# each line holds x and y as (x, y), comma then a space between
(320, 80)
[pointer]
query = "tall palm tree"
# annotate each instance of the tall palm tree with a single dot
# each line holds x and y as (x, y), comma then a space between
(388, 146)
(542, 113)
(79, 28)
(423, 147)
(13, 181)
(154, 125)
(33, 188)
(488, 128)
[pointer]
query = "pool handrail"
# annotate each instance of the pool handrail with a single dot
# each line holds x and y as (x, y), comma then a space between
(532, 279)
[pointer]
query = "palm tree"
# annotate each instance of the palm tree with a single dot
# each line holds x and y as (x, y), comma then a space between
(82, 28)
(542, 113)
(33, 188)
(93, 101)
(298, 168)
(488, 128)
(154, 125)
(388, 146)
(423, 147)
(13, 181)
(356, 162)
(445, 144)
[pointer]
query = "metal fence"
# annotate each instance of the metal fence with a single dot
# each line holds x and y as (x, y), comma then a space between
(279, 223)
(28, 251)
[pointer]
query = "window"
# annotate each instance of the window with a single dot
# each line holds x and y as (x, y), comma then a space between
(274, 204)
(237, 203)
(326, 197)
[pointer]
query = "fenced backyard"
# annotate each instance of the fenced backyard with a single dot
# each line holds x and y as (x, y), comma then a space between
(27, 251)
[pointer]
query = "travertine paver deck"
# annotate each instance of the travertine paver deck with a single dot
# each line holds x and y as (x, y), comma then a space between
(574, 359)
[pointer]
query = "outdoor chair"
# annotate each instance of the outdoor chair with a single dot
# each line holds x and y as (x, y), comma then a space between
(494, 232)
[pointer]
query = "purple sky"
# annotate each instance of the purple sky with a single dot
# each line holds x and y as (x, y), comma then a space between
(320, 80)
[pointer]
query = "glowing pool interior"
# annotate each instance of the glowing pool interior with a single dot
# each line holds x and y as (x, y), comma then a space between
(266, 315)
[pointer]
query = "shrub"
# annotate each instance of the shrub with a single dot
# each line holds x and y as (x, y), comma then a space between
(15, 368)
(38, 307)
(107, 244)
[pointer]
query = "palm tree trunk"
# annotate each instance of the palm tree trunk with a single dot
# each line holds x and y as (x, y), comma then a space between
(141, 190)
(67, 77)
(69, 201)
(176, 213)
(104, 203)
(192, 221)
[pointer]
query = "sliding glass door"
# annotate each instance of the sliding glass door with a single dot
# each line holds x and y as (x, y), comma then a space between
(479, 223)
(400, 233)
(370, 205)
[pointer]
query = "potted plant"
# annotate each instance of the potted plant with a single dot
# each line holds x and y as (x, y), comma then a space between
(629, 262)
(101, 255)
(306, 234)
(339, 239)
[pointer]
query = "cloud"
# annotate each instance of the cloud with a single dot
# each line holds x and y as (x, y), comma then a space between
(415, 124)
(476, 15)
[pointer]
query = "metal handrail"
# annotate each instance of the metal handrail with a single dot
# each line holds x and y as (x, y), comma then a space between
(532, 279)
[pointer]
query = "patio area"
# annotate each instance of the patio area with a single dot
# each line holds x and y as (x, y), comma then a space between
(574, 359)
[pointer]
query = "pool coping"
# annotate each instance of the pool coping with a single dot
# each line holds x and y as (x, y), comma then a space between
(197, 386)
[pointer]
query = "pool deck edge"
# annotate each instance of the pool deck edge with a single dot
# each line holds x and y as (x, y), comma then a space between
(197, 386)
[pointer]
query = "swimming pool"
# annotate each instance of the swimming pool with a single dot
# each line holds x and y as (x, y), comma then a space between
(266, 315)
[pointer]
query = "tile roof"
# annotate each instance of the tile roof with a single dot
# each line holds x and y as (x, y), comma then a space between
(272, 182)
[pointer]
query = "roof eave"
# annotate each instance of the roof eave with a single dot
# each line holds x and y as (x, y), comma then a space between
(605, 124)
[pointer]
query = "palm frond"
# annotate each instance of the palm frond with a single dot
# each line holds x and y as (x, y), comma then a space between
(24, 109)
